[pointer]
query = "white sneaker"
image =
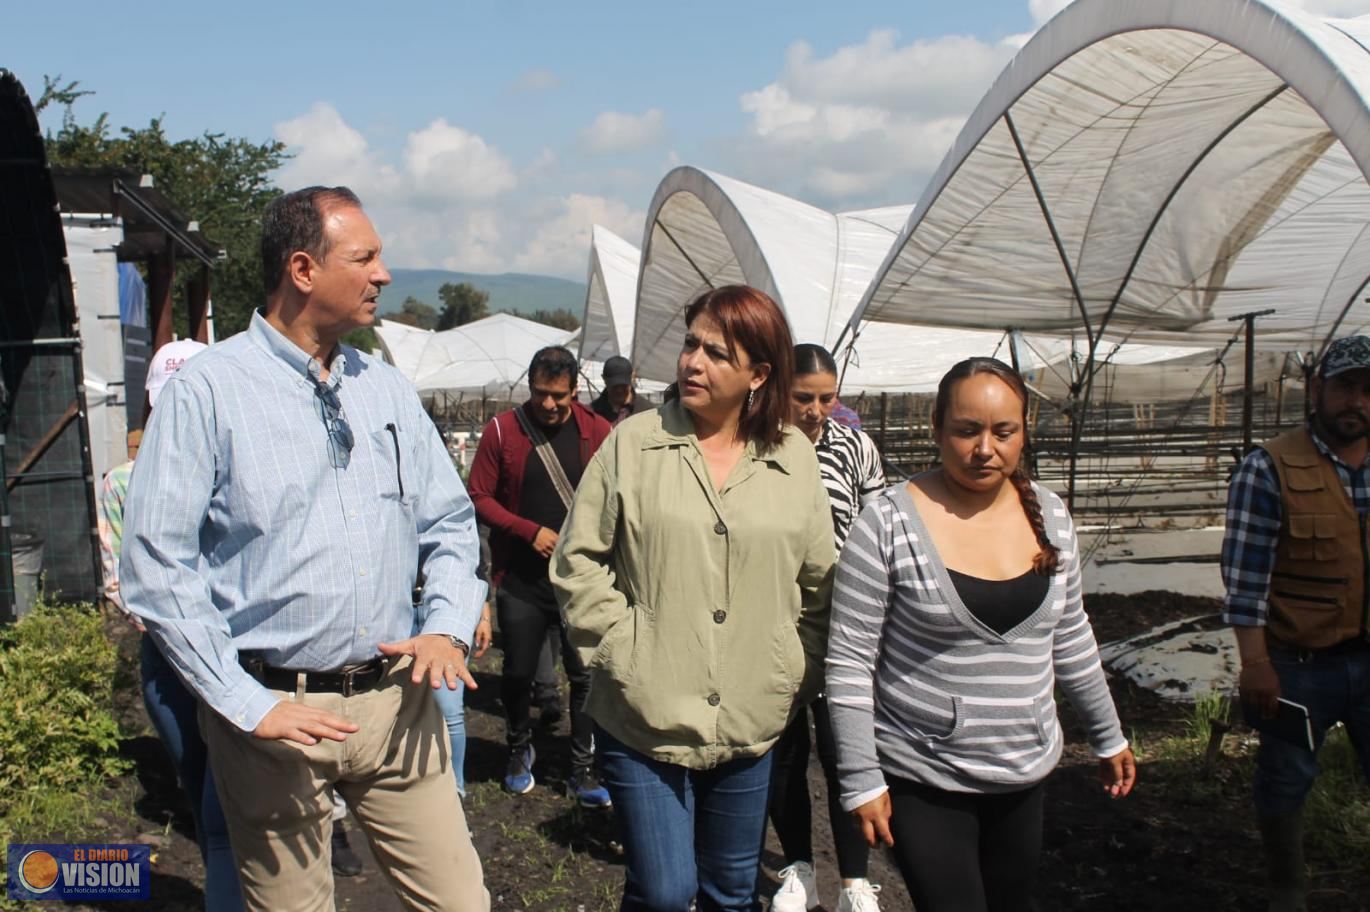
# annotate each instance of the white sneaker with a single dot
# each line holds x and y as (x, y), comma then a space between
(798, 892)
(859, 897)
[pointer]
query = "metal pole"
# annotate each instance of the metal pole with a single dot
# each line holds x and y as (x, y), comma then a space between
(884, 418)
(1247, 392)
(7, 609)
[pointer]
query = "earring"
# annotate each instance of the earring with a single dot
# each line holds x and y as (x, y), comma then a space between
(751, 395)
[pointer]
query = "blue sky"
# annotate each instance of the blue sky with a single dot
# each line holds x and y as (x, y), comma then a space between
(489, 136)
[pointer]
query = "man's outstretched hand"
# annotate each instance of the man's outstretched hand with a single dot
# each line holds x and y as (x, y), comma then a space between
(434, 657)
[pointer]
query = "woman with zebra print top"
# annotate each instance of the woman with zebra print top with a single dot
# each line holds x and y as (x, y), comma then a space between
(850, 466)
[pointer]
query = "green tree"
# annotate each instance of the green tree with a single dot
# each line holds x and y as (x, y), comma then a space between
(363, 338)
(222, 182)
(54, 92)
(414, 312)
(462, 303)
(561, 318)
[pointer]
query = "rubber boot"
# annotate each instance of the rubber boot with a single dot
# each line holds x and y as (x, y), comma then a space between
(1286, 878)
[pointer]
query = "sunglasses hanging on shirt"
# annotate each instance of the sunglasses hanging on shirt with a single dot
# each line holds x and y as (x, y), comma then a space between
(340, 439)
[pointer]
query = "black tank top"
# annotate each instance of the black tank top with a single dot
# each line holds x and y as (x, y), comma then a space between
(1001, 605)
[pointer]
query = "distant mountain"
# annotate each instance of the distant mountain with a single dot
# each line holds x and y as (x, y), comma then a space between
(513, 292)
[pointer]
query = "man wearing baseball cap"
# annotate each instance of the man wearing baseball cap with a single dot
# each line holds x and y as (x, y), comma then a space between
(1295, 566)
(167, 361)
(619, 399)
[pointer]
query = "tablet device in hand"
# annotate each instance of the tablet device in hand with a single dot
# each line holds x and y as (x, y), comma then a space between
(1290, 723)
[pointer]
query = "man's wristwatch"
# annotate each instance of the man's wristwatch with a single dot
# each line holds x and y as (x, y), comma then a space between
(460, 644)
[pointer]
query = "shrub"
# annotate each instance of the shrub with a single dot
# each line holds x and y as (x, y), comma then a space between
(58, 734)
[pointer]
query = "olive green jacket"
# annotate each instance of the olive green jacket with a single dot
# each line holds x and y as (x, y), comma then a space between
(702, 615)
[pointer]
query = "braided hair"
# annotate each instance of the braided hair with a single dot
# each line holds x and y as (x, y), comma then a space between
(1048, 559)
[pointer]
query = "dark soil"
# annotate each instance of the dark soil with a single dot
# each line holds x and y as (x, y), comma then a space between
(1184, 840)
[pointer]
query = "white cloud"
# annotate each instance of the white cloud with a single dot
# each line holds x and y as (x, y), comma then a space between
(867, 123)
(460, 238)
(545, 235)
(435, 203)
(447, 163)
(441, 163)
(561, 242)
(326, 150)
(545, 164)
(535, 81)
(1042, 10)
(614, 131)
(925, 76)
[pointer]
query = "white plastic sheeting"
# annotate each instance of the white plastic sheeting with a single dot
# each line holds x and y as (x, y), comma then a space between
(610, 295)
(91, 243)
(592, 382)
(485, 358)
(1137, 373)
(706, 230)
(1197, 161)
(402, 345)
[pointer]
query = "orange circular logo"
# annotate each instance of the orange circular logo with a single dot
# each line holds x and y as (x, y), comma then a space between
(38, 871)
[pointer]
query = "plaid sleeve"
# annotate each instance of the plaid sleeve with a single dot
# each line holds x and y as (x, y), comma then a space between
(1253, 530)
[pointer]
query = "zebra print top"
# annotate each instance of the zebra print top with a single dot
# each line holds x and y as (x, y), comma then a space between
(851, 470)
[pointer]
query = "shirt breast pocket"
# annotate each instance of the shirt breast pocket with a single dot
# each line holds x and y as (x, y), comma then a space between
(388, 452)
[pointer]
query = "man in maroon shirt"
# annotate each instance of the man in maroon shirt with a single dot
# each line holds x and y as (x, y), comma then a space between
(526, 468)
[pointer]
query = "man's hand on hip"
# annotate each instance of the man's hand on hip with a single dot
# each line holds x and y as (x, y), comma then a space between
(290, 721)
(435, 656)
(545, 542)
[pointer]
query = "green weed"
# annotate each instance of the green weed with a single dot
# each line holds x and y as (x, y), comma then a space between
(1338, 810)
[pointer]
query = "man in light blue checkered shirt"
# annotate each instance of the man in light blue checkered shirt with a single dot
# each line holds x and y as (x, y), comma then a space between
(289, 494)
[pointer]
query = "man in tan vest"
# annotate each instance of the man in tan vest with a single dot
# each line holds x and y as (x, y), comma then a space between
(1296, 560)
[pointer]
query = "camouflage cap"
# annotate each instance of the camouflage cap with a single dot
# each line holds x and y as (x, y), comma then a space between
(1350, 353)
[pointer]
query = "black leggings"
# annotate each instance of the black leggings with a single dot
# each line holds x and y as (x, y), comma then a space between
(963, 852)
(790, 808)
(523, 626)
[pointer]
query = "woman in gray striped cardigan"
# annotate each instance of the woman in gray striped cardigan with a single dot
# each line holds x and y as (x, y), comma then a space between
(956, 612)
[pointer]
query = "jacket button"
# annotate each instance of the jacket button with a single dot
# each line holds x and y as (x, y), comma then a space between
(720, 616)
(715, 699)
(720, 528)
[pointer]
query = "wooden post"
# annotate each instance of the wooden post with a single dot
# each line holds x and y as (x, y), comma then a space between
(161, 276)
(197, 305)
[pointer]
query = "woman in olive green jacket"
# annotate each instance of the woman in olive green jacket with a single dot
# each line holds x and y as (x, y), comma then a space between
(694, 573)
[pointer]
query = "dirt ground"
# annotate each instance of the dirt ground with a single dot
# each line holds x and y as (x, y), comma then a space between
(1183, 841)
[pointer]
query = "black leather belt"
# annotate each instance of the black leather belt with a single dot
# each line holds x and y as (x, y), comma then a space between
(1345, 647)
(347, 681)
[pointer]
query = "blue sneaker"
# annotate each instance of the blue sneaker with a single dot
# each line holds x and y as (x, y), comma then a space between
(585, 788)
(518, 775)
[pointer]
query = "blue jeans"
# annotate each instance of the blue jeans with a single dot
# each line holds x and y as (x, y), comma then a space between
(687, 834)
(1335, 688)
(453, 706)
(172, 710)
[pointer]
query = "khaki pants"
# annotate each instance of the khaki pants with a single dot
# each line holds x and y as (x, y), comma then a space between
(394, 774)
